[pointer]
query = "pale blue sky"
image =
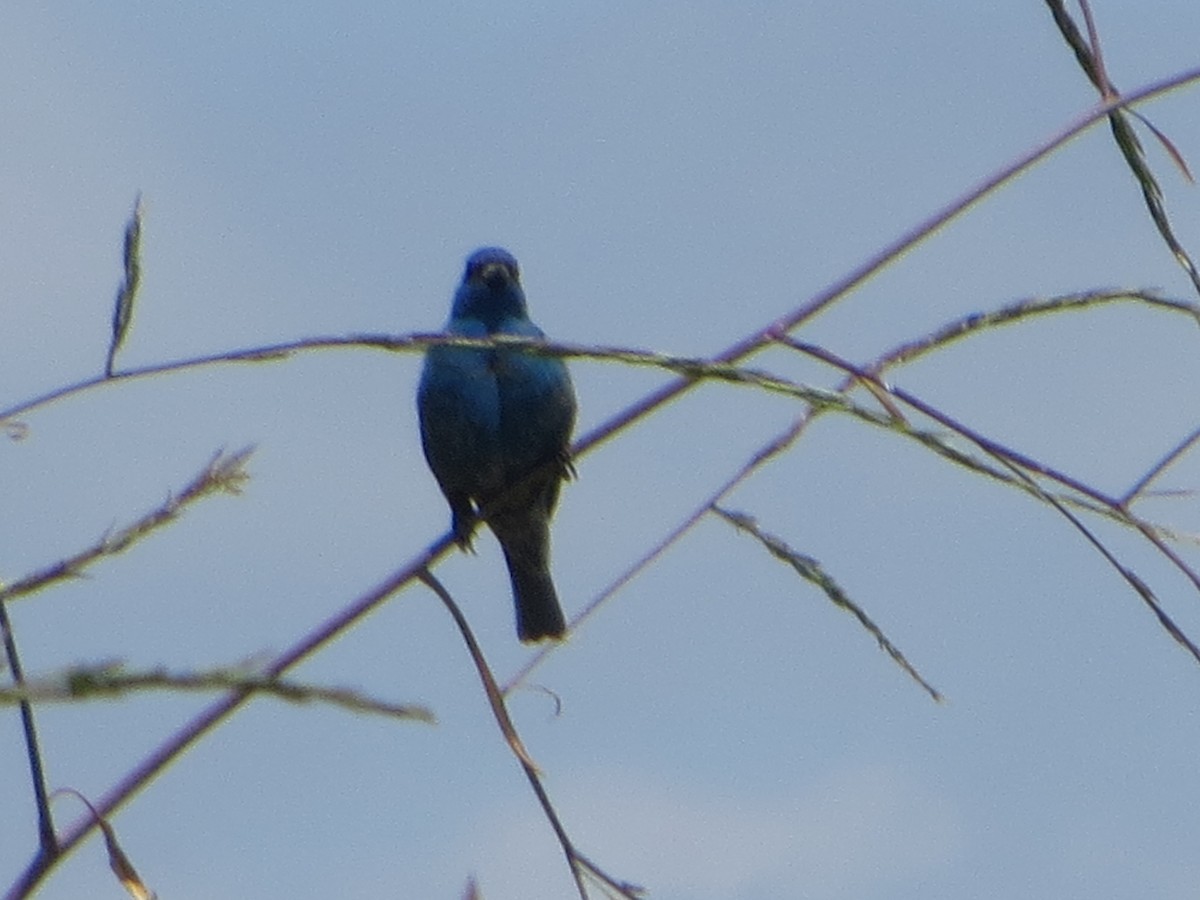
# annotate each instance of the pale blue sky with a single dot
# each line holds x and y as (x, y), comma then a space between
(672, 177)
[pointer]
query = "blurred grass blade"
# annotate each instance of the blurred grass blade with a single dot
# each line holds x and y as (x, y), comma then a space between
(127, 292)
(1168, 145)
(225, 473)
(1079, 44)
(1131, 148)
(810, 570)
(106, 680)
(494, 696)
(118, 860)
(1088, 55)
(122, 867)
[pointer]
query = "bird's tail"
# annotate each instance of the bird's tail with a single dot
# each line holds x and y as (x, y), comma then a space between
(526, 543)
(538, 613)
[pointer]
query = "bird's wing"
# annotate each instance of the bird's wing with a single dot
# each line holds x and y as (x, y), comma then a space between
(537, 404)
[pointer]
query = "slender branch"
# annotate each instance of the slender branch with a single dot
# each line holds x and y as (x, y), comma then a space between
(734, 353)
(500, 713)
(812, 571)
(495, 698)
(768, 451)
(579, 864)
(1131, 578)
(904, 353)
(224, 473)
(1161, 466)
(1021, 311)
(107, 680)
(1021, 466)
(1090, 59)
(607, 882)
(47, 840)
(265, 353)
(992, 447)
(216, 713)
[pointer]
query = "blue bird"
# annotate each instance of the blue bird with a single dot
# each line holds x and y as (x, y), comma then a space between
(496, 430)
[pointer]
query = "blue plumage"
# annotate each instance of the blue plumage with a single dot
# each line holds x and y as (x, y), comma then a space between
(496, 430)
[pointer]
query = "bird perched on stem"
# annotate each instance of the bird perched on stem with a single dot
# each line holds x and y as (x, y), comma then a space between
(496, 428)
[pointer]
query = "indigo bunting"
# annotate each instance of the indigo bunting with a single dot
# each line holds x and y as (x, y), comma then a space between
(496, 428)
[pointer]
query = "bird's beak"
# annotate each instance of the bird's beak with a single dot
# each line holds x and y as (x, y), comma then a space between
(494, 274)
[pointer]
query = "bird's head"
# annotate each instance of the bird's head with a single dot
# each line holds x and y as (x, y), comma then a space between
(491, 288)
(493, 266)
